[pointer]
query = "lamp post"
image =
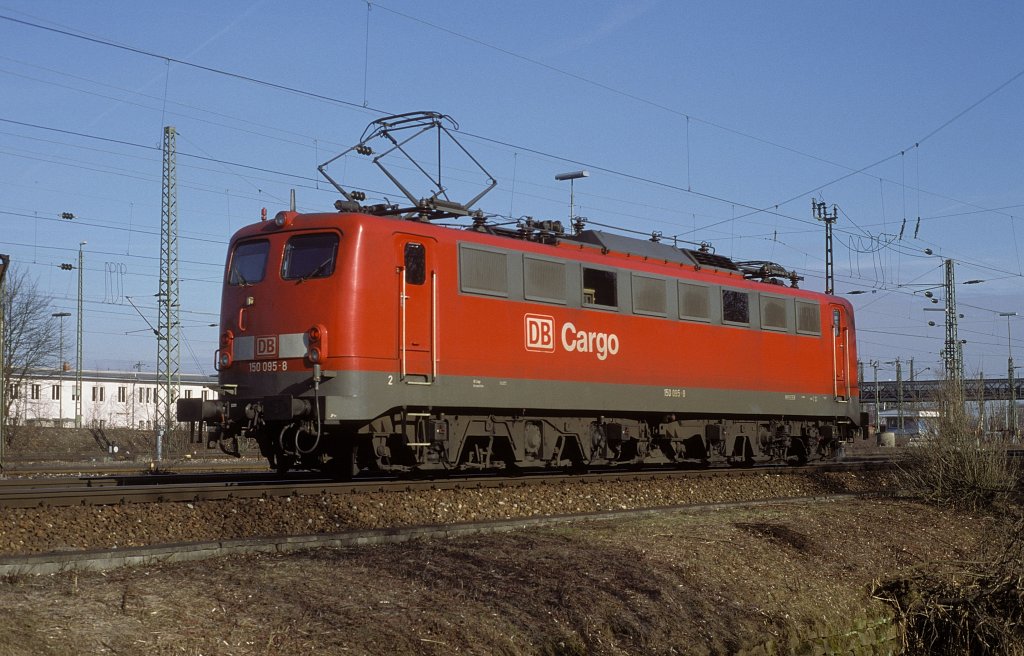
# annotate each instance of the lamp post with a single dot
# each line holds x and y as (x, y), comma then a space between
(1011, 408)
(572, 176)
(60, 366)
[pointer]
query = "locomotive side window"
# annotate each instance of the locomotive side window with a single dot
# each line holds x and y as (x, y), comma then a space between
(774, 315)
(310, 256)
(694, 302)
(649, 295)
(544, 280)
(415, 264)
(808, 318)
(599, 288)
(248, 262)
(735, 306)
(483, 272)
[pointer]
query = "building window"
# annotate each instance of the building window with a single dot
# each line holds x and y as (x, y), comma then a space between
(97, 394)
(35, 392)
(55, 393)
(188, 394)
(204, 394)
(122, 394)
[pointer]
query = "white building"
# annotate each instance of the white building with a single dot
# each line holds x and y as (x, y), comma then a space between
(110, 399)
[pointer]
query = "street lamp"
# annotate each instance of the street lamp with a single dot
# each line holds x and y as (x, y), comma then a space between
(572, 177)
(1011, 408)
(60, 365)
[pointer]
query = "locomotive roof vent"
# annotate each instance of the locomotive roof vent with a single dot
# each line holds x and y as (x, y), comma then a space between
(706, 258)
(397, 132)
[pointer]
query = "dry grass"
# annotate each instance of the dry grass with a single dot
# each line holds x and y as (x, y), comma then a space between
(701, 583)
(957, 465)
(958, 606)
(965, 607)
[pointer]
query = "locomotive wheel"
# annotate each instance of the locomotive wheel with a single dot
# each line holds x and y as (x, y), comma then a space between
(343, 466)
(282, 464)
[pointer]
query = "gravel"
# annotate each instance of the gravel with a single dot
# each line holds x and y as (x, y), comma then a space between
(40, 530)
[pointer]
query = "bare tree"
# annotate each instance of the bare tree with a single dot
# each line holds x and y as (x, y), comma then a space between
(29, 335)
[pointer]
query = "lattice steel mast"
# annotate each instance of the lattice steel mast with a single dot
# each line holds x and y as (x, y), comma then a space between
(821, 213)
(168, 334)
(953, 353)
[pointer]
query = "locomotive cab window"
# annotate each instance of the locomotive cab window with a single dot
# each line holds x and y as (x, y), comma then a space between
(310, 256)
(415, 264)
(599, 288)
(248, 262)
(735, 306)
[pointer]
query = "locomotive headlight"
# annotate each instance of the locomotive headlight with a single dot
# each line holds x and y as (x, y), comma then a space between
(316, 343)
(282, 219)
(224, 360)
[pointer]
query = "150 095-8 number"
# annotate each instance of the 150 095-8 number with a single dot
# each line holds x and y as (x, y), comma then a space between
(267, 366)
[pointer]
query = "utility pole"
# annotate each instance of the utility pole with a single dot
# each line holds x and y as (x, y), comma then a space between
(878, 425)
(899, 392)
(1011, 409)
(168, 359)
(820, 212)
(5, 261)
(78, 342)
(60, 365)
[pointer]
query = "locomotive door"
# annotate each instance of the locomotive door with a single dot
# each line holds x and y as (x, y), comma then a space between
(417, 281)
(840, 353)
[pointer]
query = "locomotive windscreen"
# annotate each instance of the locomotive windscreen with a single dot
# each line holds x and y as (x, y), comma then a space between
(310, 256)
(249, 262)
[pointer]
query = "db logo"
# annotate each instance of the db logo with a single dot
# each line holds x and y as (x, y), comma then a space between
(266, 347)
(540, 333)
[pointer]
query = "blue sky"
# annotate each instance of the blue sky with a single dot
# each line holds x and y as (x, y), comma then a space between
(713, 121)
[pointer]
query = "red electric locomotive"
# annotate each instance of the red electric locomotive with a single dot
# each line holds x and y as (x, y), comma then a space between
(370, 339)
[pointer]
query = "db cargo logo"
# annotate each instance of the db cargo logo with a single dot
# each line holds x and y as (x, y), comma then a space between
(266, 347)
(541, 335)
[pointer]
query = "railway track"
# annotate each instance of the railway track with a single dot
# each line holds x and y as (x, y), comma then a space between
(177, 487)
